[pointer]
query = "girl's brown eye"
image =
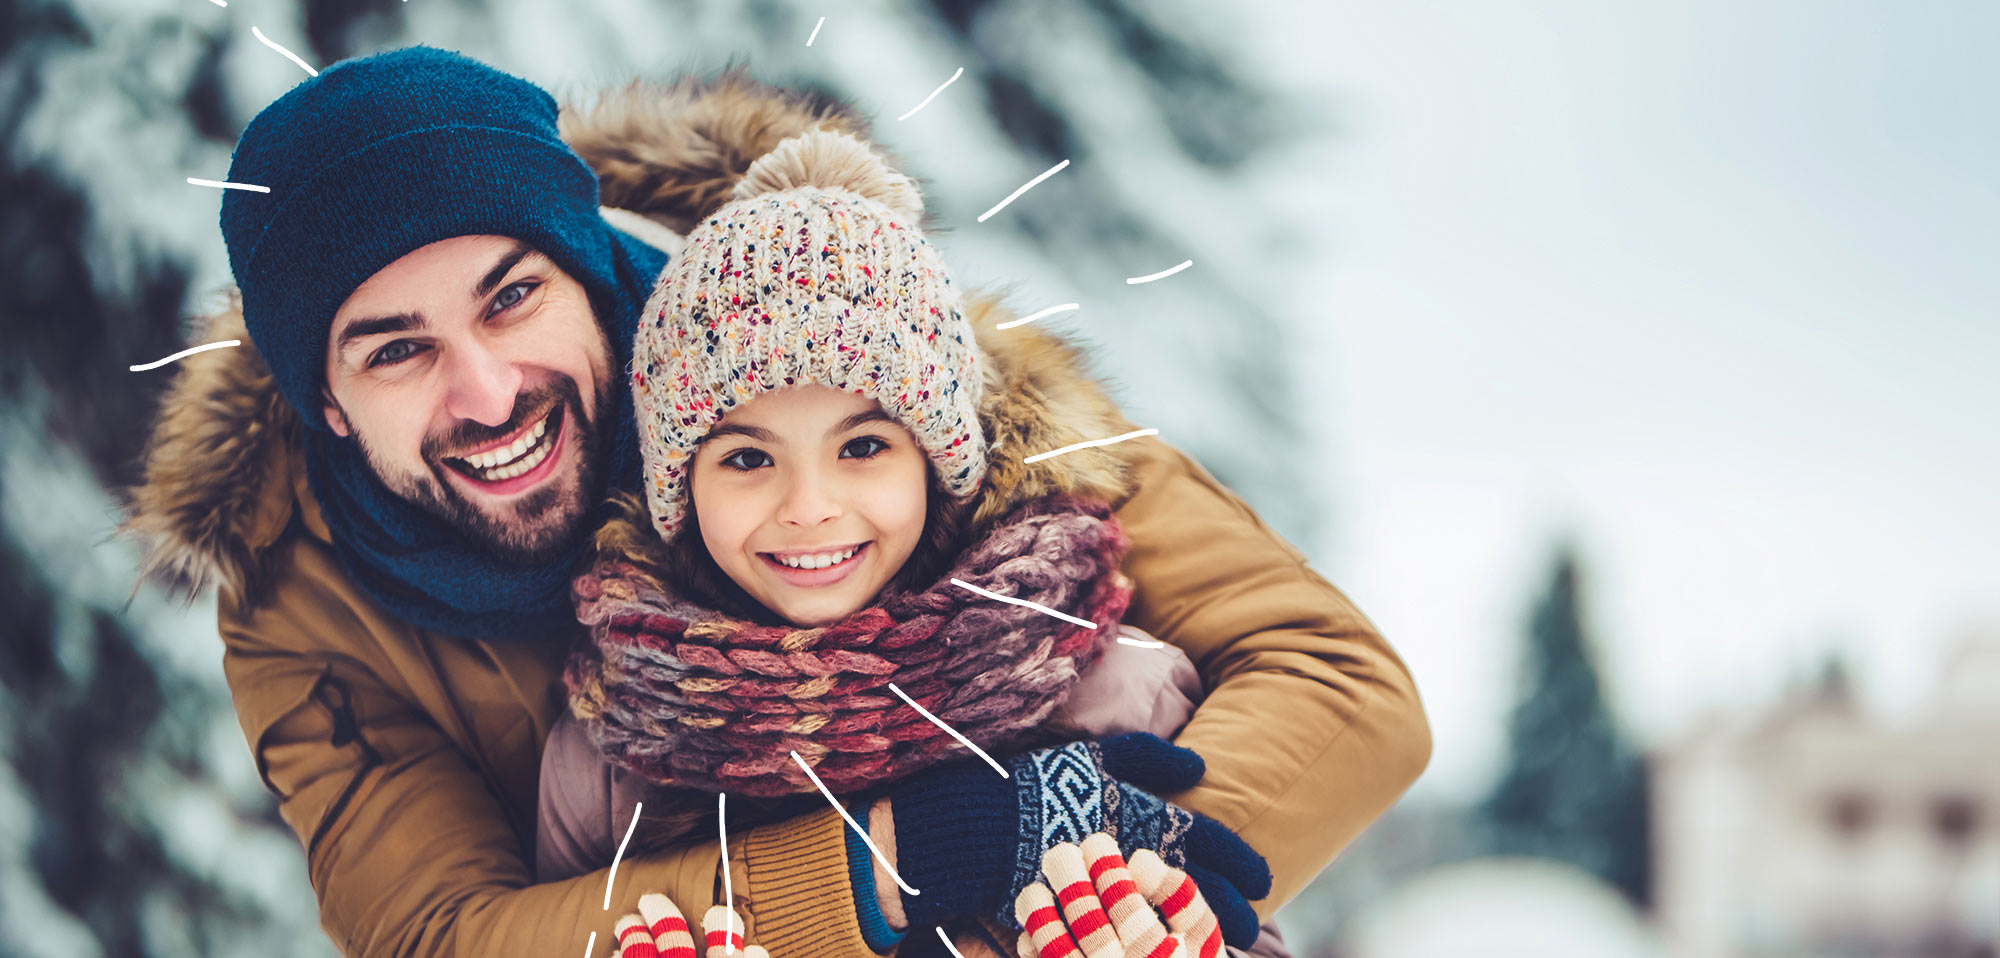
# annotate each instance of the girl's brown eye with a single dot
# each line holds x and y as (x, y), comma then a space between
(861, 449)
(745, 460)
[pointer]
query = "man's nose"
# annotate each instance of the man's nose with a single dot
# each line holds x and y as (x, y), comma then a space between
(480, 385)
(808, 500)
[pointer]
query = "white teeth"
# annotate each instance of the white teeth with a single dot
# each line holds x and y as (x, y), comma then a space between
(817, 561)
(502, 463)
(507, 462)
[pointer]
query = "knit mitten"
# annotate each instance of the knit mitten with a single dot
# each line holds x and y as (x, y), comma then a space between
(969, 840)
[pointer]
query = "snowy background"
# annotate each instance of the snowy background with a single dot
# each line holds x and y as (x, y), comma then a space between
(1629, 366)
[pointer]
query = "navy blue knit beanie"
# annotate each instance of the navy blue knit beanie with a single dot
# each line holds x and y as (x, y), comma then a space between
(372, 159)
(382, 155)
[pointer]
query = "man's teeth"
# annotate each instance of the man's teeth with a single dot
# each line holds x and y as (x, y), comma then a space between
(818, 561)
(509, 461)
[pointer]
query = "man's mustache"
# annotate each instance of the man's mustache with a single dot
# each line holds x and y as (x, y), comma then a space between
(529, 406)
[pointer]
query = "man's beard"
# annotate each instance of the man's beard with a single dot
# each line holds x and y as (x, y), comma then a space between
(514, 534)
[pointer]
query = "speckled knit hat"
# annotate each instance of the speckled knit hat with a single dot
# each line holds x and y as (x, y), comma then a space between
(814, 273)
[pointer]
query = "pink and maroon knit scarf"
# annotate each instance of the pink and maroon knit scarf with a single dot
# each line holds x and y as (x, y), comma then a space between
(682, 695)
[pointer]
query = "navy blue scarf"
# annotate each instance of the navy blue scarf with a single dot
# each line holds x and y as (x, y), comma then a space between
(433, 576)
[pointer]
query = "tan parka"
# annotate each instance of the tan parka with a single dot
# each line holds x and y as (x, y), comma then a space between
(407, 761)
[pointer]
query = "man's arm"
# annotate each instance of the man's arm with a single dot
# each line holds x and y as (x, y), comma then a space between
(409, 852)
(1312, 726)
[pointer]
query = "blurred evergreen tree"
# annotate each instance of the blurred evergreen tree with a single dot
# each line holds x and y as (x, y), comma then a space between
(1573, 788)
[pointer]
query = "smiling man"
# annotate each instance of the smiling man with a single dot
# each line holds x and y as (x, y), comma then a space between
(503, 349)
(394, 489)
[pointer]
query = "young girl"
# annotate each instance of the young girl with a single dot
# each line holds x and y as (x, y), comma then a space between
(836, 487)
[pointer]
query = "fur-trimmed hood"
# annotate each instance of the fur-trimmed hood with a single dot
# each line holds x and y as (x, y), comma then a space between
(224, 475)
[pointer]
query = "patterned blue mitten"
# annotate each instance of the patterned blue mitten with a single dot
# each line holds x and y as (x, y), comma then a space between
(969, 840)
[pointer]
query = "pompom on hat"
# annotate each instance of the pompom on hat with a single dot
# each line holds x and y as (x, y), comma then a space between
(815, 272)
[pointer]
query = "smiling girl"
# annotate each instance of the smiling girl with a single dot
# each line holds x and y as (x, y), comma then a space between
(836, 489)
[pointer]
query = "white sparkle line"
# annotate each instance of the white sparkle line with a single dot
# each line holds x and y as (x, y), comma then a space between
(1025, 187)
(728, 893)
(858, 830)
(1142, 643)
(1035, 316)
(220, 3)
(223, 184)
(947, 943)
(1072, 447)
(905, 696)
(259, 34)
(1162, 274)
(590, 946)
(1037, 606)
(933, 96)
(183, 354)
(629, 829)
(815, 34)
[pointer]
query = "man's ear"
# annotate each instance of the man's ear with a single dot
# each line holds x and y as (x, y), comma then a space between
(336, 420)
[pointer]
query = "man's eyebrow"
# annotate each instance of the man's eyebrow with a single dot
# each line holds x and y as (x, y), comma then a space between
(500, 269)
(376, 325)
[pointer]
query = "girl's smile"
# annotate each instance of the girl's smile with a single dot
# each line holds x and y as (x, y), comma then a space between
(816, 568)
(830, 477)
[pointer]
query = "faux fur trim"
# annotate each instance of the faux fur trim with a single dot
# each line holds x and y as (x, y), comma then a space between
(218, 467)
(674, 151)
(222, 467)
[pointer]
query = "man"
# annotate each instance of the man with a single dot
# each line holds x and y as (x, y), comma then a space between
(394, 488)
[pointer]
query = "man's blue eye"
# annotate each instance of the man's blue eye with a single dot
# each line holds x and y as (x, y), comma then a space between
(393, 353)
(512, 295)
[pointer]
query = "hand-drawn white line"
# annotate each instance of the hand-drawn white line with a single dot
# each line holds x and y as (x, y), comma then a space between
(1037, 606)
(224, 184)
(927, 100)
(1031, 317)
(976, 750)
(1072, 447)
(728, 893)
(1162, 274)
(183, 354)
(1025, 187)
(590, 947)
(858, 830)
(1142, 643)
(613, 876)
(259, 34)
(220, 3)
(816, 26)
(947, 943)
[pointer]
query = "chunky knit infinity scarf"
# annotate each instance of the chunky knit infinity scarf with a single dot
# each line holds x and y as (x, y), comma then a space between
(682, 695)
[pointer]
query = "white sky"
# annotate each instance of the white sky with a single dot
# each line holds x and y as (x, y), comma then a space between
(1712, 285)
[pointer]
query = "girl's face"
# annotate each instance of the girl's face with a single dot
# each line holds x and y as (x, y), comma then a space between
(811, 499)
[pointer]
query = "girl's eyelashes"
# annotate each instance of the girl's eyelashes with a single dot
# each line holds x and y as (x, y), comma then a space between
(745, 459)
(862, 450)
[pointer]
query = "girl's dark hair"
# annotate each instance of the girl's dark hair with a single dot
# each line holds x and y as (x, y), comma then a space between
(686, 568)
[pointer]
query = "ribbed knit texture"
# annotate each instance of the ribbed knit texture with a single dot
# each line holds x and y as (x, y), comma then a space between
(816, 274)
(370, 160)
(682, 695)
(797, 889)
(861, 876)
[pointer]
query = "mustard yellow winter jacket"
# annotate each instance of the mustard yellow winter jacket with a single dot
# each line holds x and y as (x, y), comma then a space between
(407, 761)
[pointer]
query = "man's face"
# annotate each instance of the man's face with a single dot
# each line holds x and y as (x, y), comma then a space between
(474, 375)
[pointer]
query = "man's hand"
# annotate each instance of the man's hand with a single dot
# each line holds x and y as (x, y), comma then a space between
(661, 931)
(1094, 905)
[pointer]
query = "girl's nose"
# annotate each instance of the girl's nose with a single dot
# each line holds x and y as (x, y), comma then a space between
(808, 502)
(480, 384)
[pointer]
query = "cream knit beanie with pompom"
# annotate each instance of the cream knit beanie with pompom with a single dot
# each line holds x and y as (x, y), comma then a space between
(815, 272)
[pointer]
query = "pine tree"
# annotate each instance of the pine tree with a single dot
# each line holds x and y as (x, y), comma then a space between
(1573, 789)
